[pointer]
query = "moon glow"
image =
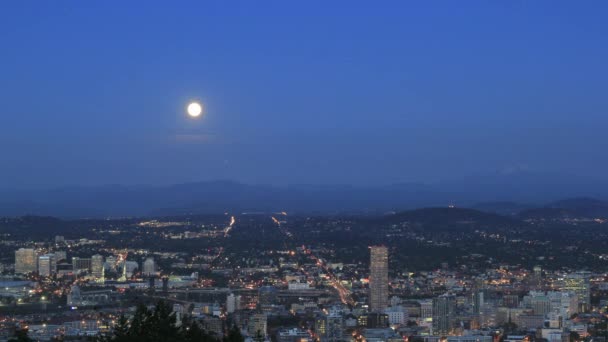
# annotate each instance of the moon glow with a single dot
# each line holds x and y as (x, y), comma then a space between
(194, 109)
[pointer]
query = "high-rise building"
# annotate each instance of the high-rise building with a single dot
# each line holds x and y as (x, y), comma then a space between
(81, 264)
(60, 256)
(149, 267)
(562, 306)
(47, 265)
(97, 270)
(329, 327)
(510, 300)
(397, 315)
(578, 283)
(378, 279)
(293, 335)
(129, 267)
(537, 277)
(233, 303)
(26, 261)
(478, 302)
(267, 295)
(426, 309)
(111, 263)
(443, 314)
(373, 320)
(539, 303)
(257, 325)
(212, 324)
(478, 299)
(74, 296)
(64, 269)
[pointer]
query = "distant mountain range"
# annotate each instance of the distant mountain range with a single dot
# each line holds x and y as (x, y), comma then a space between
(570, 208)
(507, 195)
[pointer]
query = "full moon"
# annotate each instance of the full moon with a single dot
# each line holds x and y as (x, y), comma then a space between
(194, 109)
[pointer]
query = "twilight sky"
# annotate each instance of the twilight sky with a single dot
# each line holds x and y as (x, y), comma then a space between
(300, 91)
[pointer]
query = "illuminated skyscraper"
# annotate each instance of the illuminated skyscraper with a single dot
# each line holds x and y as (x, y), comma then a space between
(378, 279)
(267, 295)
(329, 327)
(578, 283)
(26, 261)
(81, 264)
(149, 267)
(426, 309)
(97, 266)
(443, 314)
(233, 303)
(257, 325)
(60, 256)
(47, 265)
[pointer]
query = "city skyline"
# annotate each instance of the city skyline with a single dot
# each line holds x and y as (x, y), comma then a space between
(320, 171)
(306, 279)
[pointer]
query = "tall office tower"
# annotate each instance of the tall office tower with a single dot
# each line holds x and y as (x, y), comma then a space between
(510, 301)
(443, 314)
(321, 326)
(267, 295)
(26, 260)
(257, 325)
(335, 327)
(81, 264)
(329, 327)
(378, 279)
(426, 309)
(111, 263)
(74, 296)
(233, 303)
(60, 256)
(578, 283)
(540, 304)
(149, 267)
(47, 265)
(130, 268)
(397, 315)
(537, 277)
(478, 298)
(478, 302)
(97, 266)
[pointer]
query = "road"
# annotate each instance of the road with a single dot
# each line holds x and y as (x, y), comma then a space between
(344, 293)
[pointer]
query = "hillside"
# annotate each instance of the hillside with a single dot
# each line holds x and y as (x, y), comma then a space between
(450, 218)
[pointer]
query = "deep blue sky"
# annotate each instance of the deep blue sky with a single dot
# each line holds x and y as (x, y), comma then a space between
(300, 91)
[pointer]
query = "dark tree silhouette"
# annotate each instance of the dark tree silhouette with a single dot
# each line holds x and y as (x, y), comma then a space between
(21, 336)
(160, 325)
(234, 335)
(121, 330)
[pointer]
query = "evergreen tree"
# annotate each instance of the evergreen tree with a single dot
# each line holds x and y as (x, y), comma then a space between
(121, 330)
(234, 335)
(21, 336)
(159, 325)
(140, 324)
(190, 331)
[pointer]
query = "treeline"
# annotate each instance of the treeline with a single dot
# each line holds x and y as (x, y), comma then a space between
(160, 325)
